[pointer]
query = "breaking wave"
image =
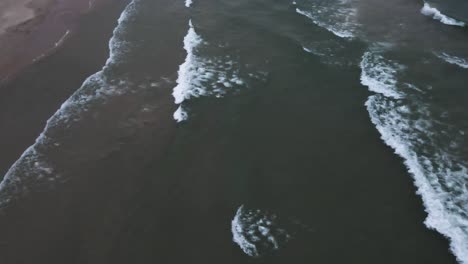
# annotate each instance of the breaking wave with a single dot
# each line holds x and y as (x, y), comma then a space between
(184, 90)
(203, 75)
(419, 135)
(427, 10)
(337, 16)
(379, 75)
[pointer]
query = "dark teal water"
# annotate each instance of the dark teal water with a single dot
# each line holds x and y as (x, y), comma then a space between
(322, 118)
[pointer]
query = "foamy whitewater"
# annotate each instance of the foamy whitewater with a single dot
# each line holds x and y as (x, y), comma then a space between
(460, 62)
(258, 233)
(203, 75)
(408, 126)
(427, 10)
(187, 73)
(379, 75)
(336, 16)
(35, 169)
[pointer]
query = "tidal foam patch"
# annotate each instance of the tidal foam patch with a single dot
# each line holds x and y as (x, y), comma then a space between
(258, 233)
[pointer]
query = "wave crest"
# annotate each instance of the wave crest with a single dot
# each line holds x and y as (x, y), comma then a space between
(428, 10)
(408, 125)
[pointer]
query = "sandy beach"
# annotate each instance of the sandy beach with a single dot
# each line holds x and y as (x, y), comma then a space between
(14, 13)
(31, 30)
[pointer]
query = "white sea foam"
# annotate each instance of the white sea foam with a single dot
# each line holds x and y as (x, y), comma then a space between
(461, 62)
(202, 76)
(188, 70)
(258, 233)
(337, 17)
(180, 114)
(33, 167)
(188, 3)
(441, 182)
(415, 134)
(378, 74)
(427, 10)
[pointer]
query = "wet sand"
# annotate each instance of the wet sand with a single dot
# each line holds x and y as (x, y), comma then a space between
(31, 30)
(78, 222)
(14, 13)
(34, 95)
(27, 102)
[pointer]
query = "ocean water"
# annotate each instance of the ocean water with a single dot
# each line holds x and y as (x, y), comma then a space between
(299, 132)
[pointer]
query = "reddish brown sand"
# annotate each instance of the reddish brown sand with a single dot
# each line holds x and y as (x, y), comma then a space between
(32, 29)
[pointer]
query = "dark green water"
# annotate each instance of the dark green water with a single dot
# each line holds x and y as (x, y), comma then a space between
(292, 109)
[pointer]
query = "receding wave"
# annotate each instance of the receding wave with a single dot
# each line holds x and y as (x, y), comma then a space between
(428, 10)
(409, 125)
(34, 167)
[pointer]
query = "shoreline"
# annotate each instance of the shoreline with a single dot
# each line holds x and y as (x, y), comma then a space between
(81, 219)
(133, 201)
(36, 30)
(35, 92)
